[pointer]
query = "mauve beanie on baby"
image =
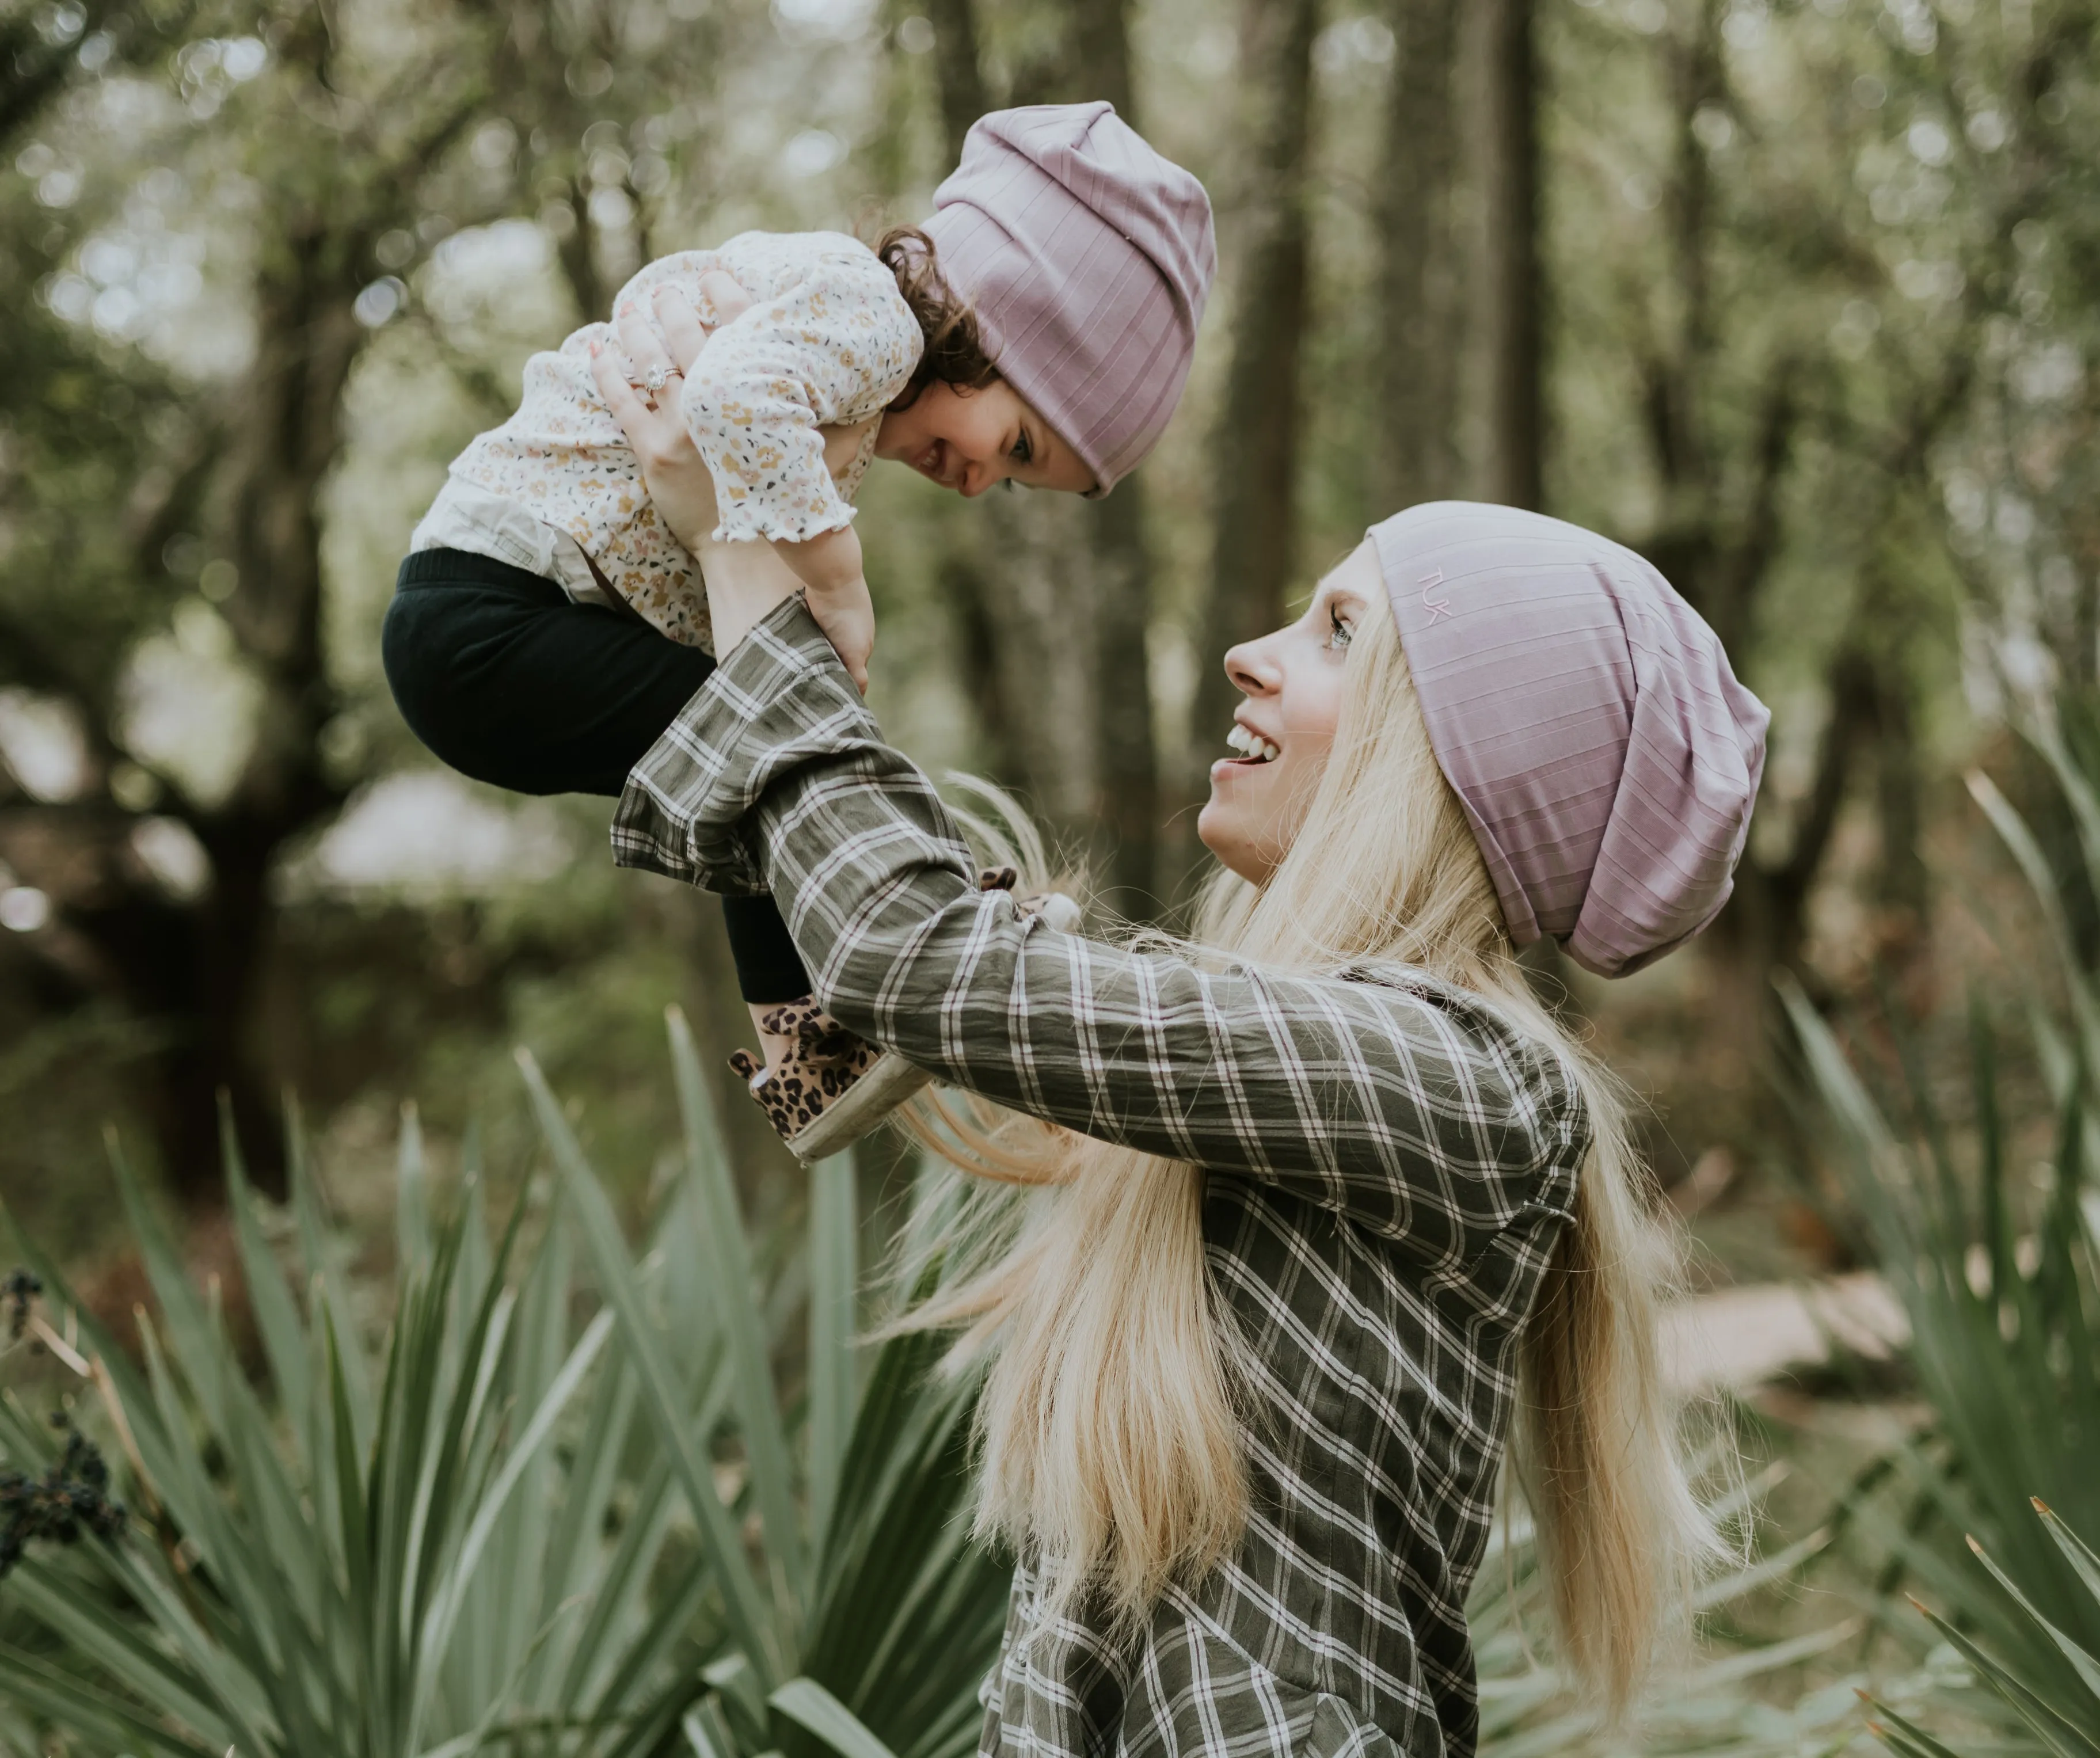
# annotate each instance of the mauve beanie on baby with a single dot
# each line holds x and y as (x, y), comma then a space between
(1586, 718)
(1088, 258)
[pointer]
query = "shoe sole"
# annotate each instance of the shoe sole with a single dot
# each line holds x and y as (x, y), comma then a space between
(860, 1109)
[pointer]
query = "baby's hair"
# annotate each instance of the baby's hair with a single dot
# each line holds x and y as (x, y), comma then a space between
(954, 351)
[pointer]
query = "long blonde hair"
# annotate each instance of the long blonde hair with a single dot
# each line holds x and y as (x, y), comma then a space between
(1110, 1425)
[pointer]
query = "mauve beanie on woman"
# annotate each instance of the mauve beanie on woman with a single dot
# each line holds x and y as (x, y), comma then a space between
(1088, 257)
(1586, 717)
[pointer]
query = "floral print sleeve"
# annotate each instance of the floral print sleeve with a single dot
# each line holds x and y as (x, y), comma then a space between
(834, 349)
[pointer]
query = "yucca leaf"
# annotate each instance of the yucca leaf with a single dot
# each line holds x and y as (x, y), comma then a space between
(2079, 1555)
(412, 1197)
(224, 1670)
(327, 1278)
(601, 1674)
(480, 1349)
(446, 1597)
(1905, 1736)
(188, 1327)
(750, 1613)
(2082, 1662)
(2060, 1737)
(183, 1484)
(36, 1684)
(269, 1295)
(115, 1645)
(742, 1693)
(808, 1704)
(2034, 866)
(739, 1313)
(707, 1742)
(834, 1285)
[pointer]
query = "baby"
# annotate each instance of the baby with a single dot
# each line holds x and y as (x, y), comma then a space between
(546, 627)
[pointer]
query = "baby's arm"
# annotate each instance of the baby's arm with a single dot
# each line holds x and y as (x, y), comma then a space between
(829, 567)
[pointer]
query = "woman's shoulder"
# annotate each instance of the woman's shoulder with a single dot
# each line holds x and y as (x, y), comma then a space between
(1531, 1069)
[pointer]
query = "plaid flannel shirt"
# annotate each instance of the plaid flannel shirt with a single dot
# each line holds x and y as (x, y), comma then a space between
(1388, 1166)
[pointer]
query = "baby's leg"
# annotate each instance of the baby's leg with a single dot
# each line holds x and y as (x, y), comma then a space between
(510, 680)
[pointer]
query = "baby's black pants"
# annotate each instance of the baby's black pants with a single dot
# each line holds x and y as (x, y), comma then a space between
(509, 680)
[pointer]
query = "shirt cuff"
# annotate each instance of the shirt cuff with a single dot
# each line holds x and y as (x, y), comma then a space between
(748, 523)
(780, 699)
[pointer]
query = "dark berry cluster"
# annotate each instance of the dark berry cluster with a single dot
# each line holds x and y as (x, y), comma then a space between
(72, 1497)
(18, 1288)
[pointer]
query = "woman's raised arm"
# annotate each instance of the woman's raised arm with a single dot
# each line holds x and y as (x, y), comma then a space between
(1406, 1103)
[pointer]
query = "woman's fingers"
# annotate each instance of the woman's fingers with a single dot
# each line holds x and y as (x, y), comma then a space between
(684, 328)
(722, 291)
(610, 367)
(653, 367)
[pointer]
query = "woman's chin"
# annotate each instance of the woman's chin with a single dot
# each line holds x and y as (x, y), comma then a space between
(1222, 829)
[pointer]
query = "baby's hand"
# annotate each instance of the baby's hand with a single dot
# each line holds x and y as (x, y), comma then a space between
(845, 613)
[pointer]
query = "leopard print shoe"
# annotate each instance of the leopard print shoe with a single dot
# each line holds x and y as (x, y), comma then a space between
(831, 1086)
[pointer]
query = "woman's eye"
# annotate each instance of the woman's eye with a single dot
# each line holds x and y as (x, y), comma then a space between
(1022, 452)
(1337, 632)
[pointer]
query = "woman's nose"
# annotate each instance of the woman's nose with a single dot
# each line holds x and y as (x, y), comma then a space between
(1252, 667)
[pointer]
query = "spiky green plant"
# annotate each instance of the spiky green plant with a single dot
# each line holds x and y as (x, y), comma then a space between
(1706, 1700)
(2000, 1277)
(509, 1525)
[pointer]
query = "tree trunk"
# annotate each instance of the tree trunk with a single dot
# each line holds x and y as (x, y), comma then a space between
(1052, 595)
(957, 70)
(1417, 314)
(1126, 766)
(1127, 805)
(1515, 401)
(1255, 524)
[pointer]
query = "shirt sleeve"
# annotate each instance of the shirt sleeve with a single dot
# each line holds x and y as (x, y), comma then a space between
(835, 348)
(1410, 1104)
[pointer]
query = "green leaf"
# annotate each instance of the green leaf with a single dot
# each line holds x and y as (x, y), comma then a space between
(834, 1285)
(2084, 1663)
(739, 1313)
(2060, 1737)
(269, 1294)
(806, 1701)
(750, 1615)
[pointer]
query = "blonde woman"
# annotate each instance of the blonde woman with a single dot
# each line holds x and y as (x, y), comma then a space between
(1339, 1209)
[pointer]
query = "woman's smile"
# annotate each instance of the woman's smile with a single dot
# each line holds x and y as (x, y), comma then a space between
(1255, 747)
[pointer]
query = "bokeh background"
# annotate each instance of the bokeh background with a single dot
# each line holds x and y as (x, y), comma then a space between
(1794, 296)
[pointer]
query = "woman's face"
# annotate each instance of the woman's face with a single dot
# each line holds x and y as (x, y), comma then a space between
(1292, 680)
(968, 440)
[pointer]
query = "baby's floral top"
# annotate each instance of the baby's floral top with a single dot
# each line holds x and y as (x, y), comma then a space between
(828, 341)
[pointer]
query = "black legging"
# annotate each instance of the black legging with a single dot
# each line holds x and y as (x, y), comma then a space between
(509, 680)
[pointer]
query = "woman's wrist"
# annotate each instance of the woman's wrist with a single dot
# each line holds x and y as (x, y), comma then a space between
(745, 582)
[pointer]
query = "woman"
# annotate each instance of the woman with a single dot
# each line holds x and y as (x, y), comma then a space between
(1340, 1206)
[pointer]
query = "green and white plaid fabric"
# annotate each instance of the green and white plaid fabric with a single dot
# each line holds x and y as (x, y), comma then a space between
(1389, 1166)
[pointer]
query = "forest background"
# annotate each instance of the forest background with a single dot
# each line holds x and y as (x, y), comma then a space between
(1794, 298)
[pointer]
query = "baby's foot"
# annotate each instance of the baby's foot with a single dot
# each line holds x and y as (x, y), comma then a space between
(827, 1087)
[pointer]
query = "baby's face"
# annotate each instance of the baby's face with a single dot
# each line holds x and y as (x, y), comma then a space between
(968, 440)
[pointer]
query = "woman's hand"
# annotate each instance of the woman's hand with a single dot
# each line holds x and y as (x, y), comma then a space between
(677, 476)
(744, 581)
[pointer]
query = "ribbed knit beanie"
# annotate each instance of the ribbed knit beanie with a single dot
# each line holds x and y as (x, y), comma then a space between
(1088, 257)
(1588, 719)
